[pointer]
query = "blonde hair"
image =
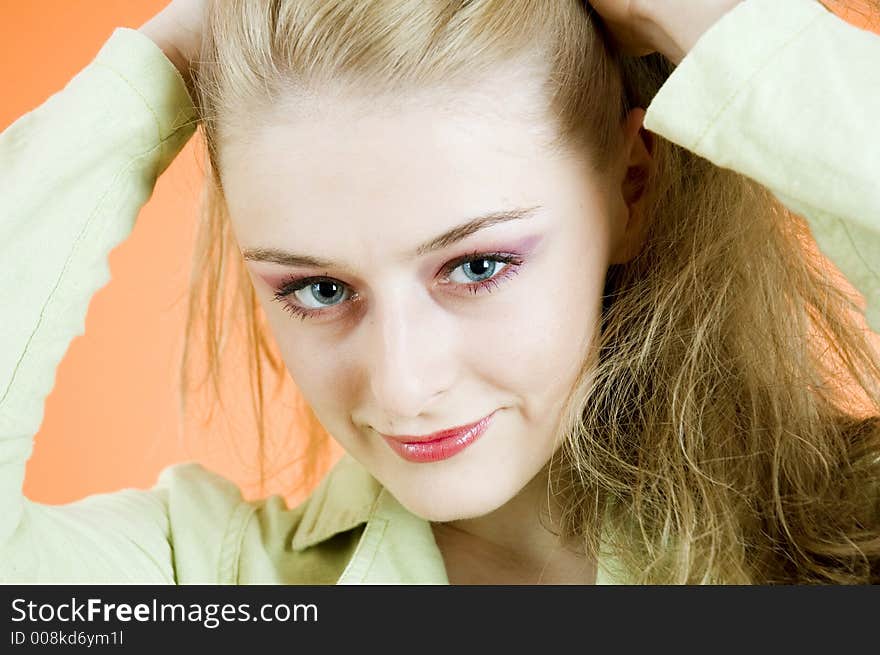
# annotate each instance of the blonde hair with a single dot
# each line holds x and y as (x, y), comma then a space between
(712, 433)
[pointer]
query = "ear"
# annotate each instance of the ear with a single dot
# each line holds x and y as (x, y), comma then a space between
(637, 162)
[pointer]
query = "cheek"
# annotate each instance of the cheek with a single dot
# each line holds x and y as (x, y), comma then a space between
(311, 362)
(547, 325)
(318, 375)
(556, 335)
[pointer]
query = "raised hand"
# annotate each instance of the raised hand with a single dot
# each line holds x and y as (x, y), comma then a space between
(177, 29)
(670, 27)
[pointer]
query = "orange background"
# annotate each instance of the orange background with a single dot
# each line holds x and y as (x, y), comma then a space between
(111, 420)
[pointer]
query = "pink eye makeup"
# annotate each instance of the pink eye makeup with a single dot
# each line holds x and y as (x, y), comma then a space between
(322, 296)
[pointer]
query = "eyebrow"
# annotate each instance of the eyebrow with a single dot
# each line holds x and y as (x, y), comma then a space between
(456, 234)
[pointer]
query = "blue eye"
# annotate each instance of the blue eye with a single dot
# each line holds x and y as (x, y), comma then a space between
(478, 270)
(323, 293)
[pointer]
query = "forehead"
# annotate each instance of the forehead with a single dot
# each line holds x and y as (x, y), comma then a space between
(384, 172)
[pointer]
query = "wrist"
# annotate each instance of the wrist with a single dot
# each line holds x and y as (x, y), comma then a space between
(156, 33)
(675, 37)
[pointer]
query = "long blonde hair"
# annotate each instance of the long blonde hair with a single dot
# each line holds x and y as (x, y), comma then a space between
(712, 434)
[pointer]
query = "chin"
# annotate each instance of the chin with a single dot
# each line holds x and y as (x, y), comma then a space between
(464, 503)
(445, 514)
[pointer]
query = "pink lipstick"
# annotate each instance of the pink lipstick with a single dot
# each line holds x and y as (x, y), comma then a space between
(438, 445)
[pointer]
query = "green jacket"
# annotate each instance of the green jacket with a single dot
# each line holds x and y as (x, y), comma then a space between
(75, 171)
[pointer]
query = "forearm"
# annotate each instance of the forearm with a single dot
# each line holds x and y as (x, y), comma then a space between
(74, 173)
(675, 28)
(794, 111)
(177, 30)
(157, 31)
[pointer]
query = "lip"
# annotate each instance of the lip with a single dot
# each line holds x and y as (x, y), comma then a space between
(438, 445)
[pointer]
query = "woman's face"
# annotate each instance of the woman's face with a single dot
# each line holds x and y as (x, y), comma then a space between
(434, 264)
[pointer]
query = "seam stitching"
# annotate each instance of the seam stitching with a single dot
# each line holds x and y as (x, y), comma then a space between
(365, 538)
(138, 92)
(230, 558)
(74, 249)
(379, 538)
(746, 83)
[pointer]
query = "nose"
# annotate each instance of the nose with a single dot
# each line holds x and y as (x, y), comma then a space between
(410, 362)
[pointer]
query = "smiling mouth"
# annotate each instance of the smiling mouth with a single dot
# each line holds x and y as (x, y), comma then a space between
(438, 445)
(436, 436)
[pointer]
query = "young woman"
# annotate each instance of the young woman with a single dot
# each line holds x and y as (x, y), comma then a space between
(540, 283)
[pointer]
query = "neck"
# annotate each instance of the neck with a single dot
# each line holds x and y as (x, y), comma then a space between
(515, 544)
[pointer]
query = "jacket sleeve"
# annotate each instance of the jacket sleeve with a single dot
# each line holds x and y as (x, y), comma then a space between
(74, 173)
(788, 94)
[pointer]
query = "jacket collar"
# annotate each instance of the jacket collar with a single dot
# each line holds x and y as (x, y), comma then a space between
(345, 499)
(349, 496)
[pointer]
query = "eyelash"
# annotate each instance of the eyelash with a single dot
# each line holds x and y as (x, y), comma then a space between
(295, 284)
